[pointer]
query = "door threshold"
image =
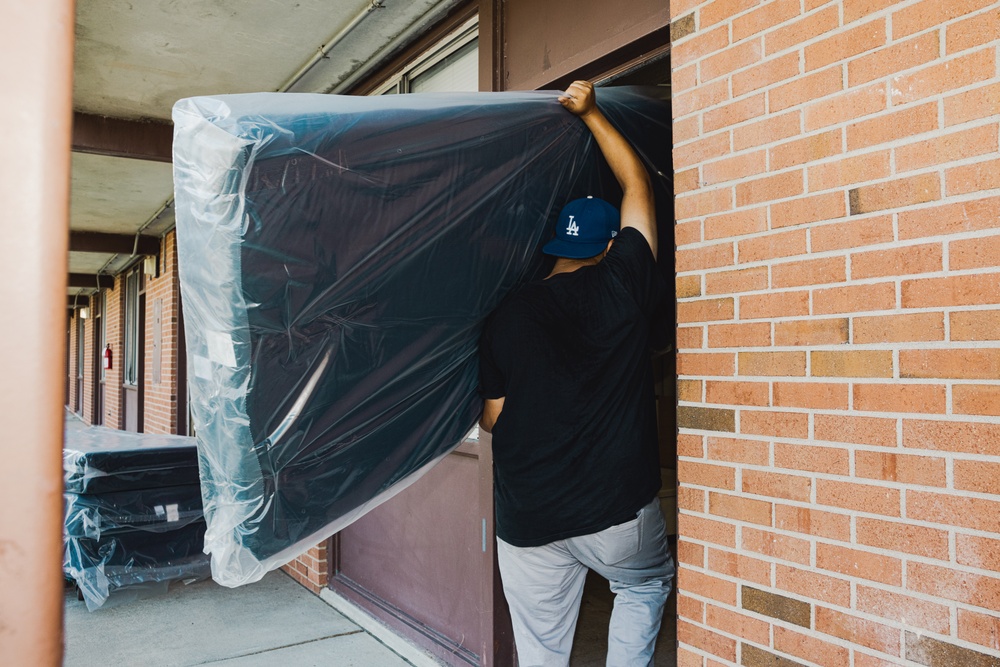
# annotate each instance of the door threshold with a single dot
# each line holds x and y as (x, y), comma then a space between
(408, 651)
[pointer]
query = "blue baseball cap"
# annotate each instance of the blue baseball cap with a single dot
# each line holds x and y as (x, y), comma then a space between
(585, 226)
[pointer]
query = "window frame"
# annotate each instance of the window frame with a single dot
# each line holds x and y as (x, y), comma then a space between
(399, 82)
(130, 353)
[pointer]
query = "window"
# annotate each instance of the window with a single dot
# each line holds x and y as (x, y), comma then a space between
(133, 285)
(451, 66)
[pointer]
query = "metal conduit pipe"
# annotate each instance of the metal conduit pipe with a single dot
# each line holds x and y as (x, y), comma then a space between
(324, 50)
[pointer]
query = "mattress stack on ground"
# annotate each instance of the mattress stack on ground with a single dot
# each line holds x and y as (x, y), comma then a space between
(134, 519)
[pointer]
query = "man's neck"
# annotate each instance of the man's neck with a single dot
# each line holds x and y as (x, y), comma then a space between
(566, 265)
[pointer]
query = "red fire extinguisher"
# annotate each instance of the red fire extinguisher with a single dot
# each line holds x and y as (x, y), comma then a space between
(107, 357)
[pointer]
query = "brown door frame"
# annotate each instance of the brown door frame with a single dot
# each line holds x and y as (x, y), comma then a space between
(97, 312)
(141, 363)
(81, 360)
(496, 647)
(183, 409)
(137, 389)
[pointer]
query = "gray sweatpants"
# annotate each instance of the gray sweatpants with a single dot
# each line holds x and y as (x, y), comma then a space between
(543, 586)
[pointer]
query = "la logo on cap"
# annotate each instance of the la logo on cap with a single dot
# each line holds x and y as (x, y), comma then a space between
(585, 226)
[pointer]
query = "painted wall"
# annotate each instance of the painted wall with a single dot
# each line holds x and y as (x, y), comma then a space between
(838, 278)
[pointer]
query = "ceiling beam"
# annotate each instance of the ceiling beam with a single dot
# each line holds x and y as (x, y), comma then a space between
(91, 280)
(118, 137)
(116, 243)
(79, 302)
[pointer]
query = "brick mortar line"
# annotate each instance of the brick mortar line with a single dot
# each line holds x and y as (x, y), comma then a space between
(933, 453)
(776, 622)
(954, 640)
(945, 242)
(836, 378)
(984, 232)
(962, 456)
(972, 419)
(857, 546)
(910, 208)
(826, 411)
(851, 611)
(801, 108)
(876, 280)
(839, 576)
(885, 80)
(873, 280)
(847, 87)
(860, 481)
(946, 310)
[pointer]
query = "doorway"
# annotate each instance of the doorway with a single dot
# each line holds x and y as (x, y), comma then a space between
(81, 333)
(98, 308)
(591, 644)
(134, 353)
(424, 562)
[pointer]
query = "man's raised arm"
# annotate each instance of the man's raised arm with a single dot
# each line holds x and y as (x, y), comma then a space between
(638, 208)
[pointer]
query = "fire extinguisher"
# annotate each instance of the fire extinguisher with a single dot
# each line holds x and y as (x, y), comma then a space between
(107, 357)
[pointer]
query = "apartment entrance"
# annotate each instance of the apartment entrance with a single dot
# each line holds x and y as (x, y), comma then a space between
(424, 562)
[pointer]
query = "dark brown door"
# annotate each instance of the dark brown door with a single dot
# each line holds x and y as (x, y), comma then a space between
(132, 357)
(424, 562)
(81, 331)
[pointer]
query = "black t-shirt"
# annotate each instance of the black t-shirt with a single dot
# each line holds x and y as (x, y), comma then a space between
(575, 448)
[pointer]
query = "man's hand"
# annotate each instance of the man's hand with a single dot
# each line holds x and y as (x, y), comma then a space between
(579, 98)
(638, 208)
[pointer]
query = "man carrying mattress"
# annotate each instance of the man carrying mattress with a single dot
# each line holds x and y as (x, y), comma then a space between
(566, 376)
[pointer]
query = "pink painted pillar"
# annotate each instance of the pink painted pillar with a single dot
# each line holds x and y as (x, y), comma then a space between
(36, 99)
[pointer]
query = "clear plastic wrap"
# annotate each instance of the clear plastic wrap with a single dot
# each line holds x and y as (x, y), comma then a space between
(155, 510)
(133, 564)
(101, 460)
(337, 257)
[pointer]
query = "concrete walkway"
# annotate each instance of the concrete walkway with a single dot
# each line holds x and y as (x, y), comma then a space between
(269, 623)
(274, 622)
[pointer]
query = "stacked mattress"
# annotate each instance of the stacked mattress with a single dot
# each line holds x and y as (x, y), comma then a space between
(134, 519)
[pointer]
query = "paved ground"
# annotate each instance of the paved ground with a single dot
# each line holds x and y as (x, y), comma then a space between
(276, 622)
(272, 622)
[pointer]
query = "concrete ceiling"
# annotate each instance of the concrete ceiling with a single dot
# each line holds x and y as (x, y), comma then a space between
(135, 59)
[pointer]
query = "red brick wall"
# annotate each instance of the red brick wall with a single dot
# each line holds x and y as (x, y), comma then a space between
(838, 276)
(160, 397)
(310, 569)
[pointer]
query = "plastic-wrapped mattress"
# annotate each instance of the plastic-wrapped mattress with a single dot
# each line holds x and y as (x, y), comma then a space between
(102, 460)
(155, 510)
(132, 564)
(337, 258)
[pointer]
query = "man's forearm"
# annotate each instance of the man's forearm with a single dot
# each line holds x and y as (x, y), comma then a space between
(638, 208)
(621, 157)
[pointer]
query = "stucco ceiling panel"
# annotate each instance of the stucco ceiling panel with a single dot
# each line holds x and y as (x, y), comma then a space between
(116, 195)
(135, 59)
